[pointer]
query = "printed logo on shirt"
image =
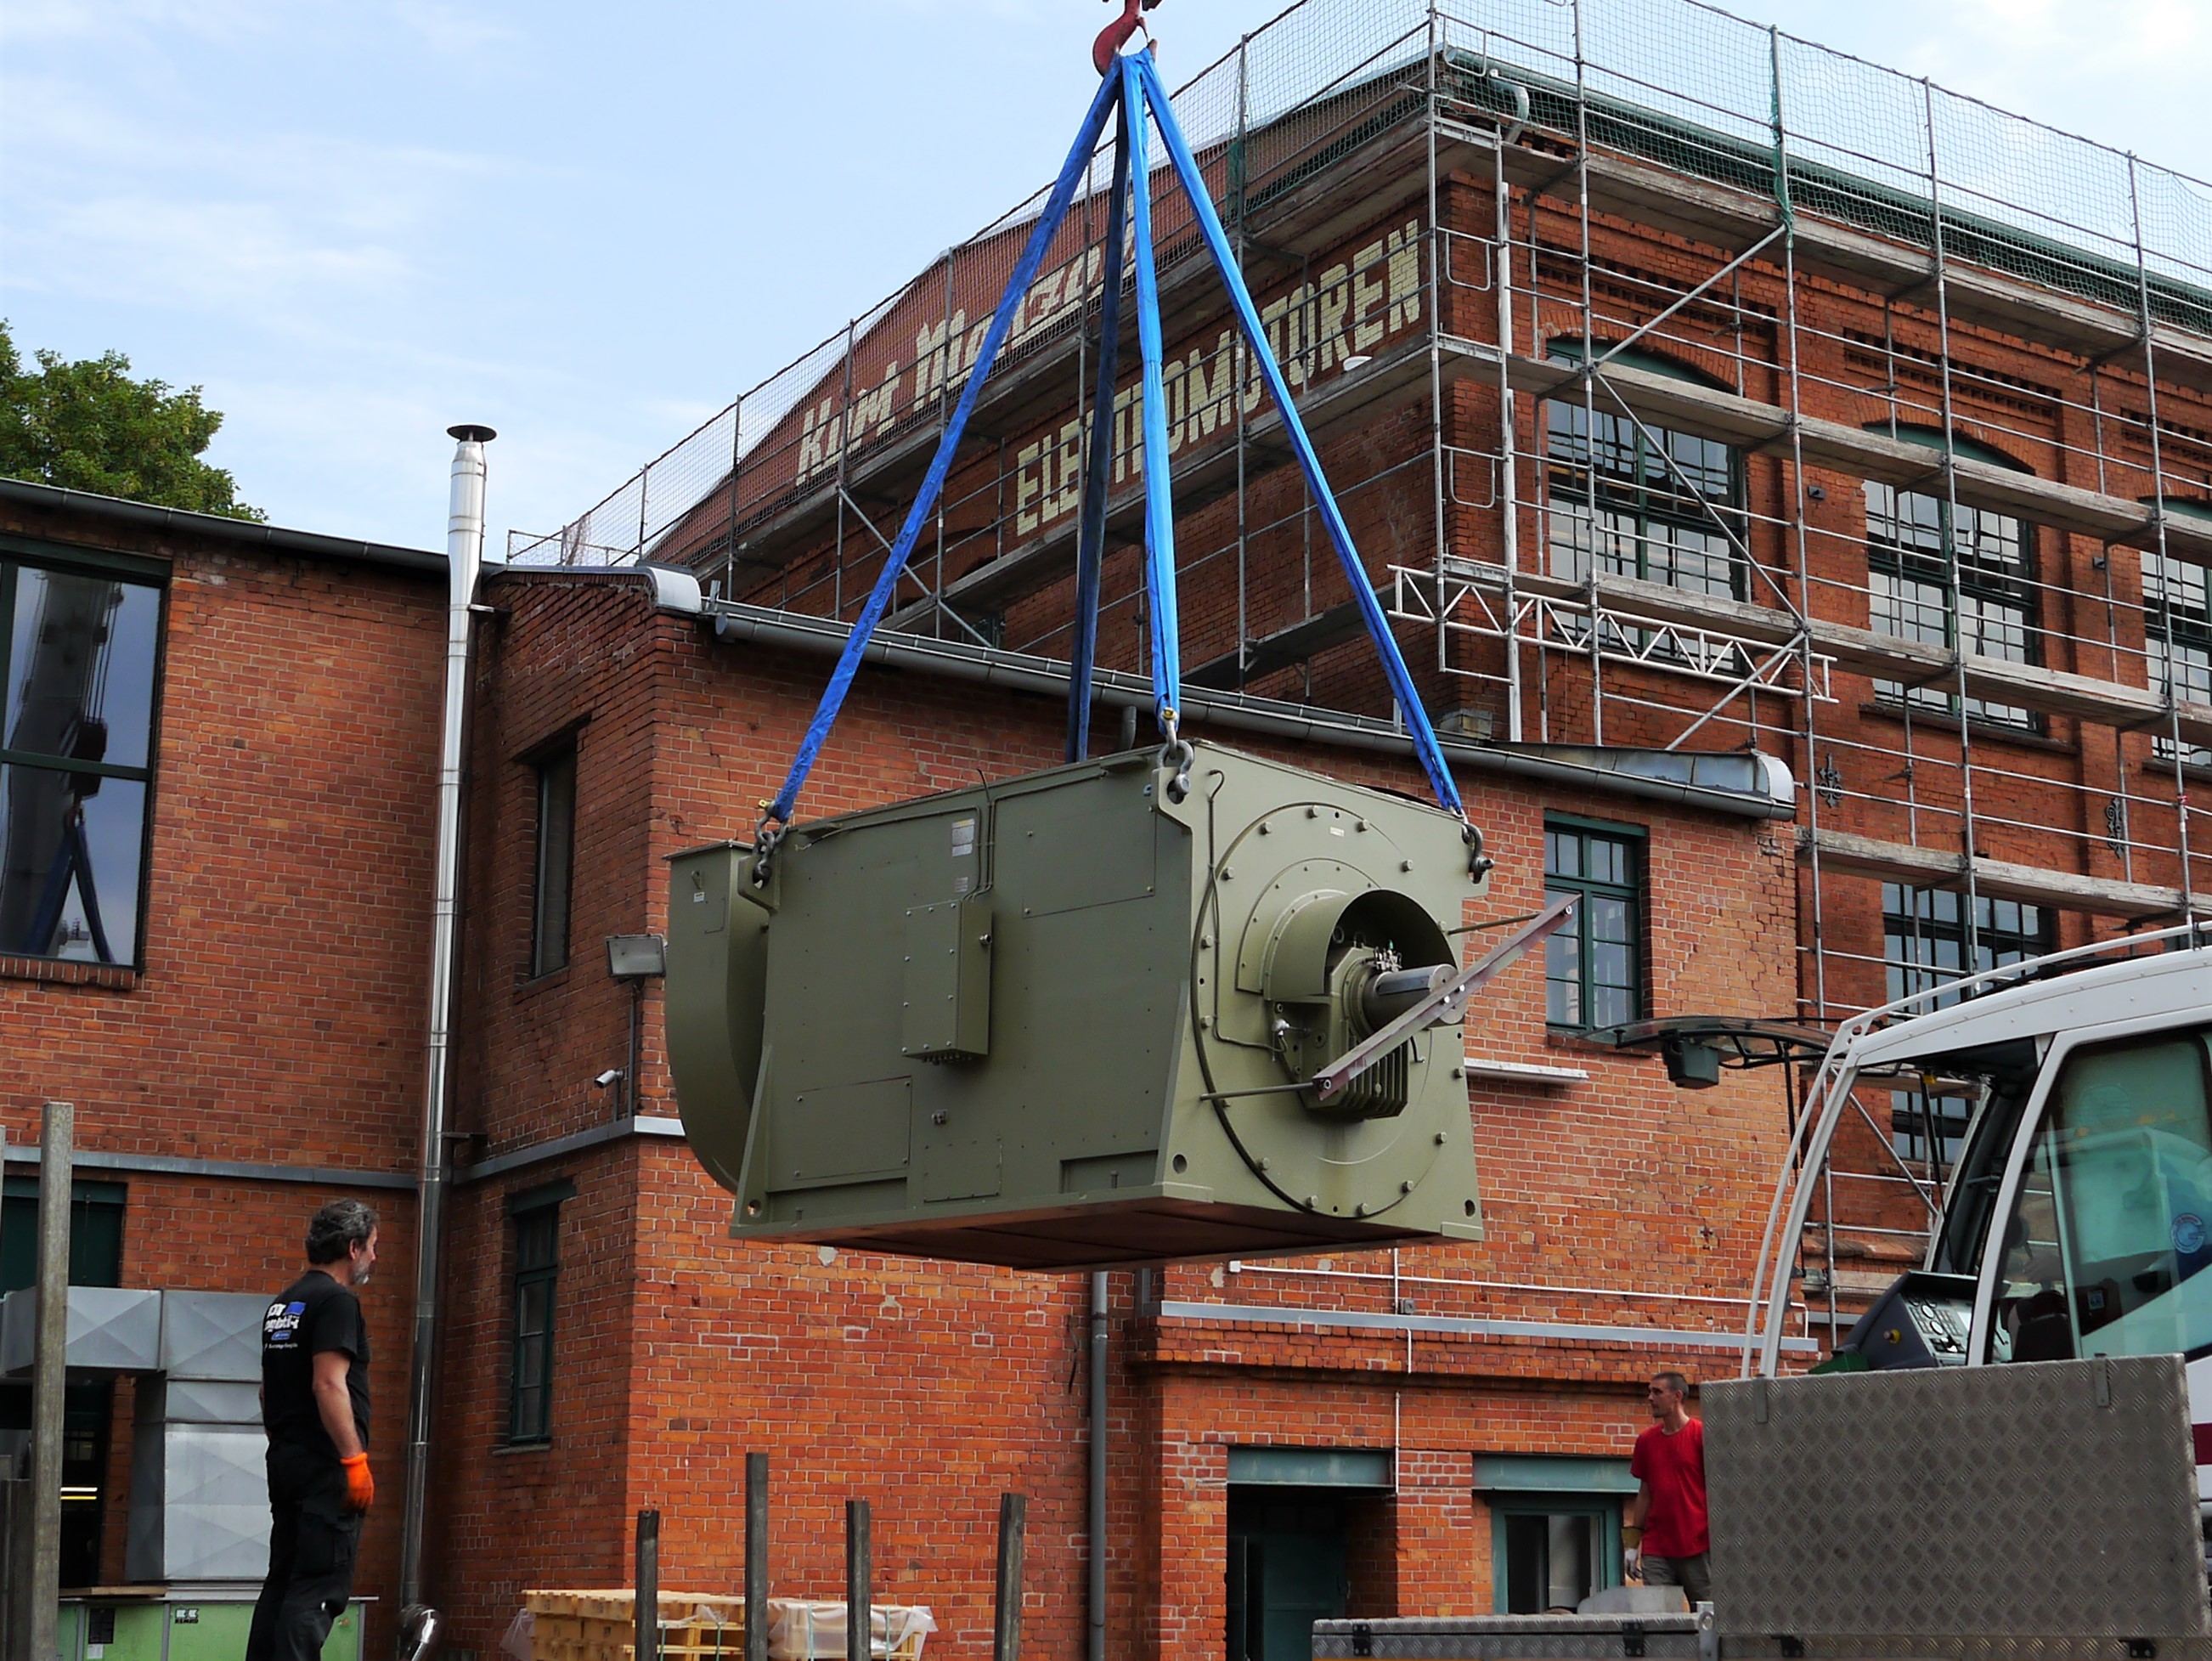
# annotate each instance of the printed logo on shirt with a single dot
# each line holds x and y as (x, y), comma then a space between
(280, 1328)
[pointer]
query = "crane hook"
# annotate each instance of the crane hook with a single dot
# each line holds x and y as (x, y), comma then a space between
(1116, 35)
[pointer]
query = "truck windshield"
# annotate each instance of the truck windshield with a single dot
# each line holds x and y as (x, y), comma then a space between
(2112, 1226)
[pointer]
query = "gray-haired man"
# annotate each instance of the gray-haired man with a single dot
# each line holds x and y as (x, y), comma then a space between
(314, 1405)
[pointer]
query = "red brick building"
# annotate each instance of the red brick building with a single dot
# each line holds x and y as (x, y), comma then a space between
(1803, 559)
(229, 984)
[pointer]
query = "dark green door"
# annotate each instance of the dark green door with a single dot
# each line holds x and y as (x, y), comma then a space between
(1287, 1569)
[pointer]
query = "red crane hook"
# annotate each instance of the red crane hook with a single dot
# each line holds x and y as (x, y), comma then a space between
(1116, 35)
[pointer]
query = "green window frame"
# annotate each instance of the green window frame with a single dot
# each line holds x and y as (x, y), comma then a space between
(79, 701)
(1539, 1502)
(1594, 968)
(534, 1217)
(553, 864)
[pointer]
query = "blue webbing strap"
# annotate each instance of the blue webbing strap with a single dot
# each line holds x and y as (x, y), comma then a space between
(1091, 548)
(1160, 500)
(1150, 91)
(879, 599)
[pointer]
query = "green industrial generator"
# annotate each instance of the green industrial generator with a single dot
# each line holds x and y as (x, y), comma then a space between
(1072, 1021)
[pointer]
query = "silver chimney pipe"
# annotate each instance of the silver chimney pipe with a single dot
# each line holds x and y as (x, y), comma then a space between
(464, 536)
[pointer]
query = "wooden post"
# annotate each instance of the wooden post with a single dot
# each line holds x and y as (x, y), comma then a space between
(756, 1557)
(646, 1608)
(57, 1162)
(860, 1595)
(1006, 1624)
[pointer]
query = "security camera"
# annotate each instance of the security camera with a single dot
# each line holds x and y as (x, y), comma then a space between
(607, 1078)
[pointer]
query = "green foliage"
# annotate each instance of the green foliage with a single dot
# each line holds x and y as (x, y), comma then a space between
(89, 426)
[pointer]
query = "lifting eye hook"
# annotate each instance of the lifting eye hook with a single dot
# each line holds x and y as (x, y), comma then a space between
(1116, 35)
(1176, 753)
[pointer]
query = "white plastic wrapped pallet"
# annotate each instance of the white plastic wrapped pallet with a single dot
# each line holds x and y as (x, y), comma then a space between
(799, 1630)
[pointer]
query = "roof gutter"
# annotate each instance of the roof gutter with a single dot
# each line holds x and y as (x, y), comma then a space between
(146, 516)
(1767, 792)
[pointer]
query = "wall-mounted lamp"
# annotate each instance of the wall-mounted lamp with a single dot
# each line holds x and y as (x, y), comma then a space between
(636, 958)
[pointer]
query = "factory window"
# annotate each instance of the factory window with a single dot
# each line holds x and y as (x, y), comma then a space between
(1925, 946)
(2178, 633)
(1908, 583)
(1924, 937)
(556, 849)
(79, 657)
(536, 1217)
(1639, 501)
(1593, 965)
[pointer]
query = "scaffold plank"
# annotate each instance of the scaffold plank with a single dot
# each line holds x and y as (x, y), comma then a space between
(1846, 853)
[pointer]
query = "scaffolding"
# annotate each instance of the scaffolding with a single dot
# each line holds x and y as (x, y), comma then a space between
(1700, 389)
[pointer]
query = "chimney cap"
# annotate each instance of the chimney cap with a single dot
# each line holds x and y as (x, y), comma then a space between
(469, 432)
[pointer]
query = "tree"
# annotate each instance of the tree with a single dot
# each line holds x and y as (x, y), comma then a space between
(89, 426)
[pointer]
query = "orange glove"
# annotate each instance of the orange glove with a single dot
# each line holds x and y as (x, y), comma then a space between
(361, 1486)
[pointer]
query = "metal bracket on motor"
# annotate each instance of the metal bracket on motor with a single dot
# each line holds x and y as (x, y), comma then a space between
(1445, 1004)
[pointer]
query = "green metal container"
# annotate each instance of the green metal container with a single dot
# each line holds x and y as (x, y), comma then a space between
(179, 1625)
(1069, 1021)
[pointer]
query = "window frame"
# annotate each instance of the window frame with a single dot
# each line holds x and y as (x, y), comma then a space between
(1635, 842)
(1984, 587)
(1586, 490)
(1913, 1113)
(18, 552)
(1606, 1510)
(547, 763)
(526, 1212)
(2175, 624)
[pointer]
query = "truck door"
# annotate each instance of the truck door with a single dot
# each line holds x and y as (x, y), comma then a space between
(2109, 1226)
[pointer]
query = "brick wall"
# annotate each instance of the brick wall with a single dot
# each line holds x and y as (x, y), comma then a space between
(277, 1017)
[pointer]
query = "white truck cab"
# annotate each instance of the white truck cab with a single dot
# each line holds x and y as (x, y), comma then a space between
(2078, 1220)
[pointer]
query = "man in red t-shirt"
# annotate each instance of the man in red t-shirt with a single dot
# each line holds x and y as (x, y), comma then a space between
(1666, 1526)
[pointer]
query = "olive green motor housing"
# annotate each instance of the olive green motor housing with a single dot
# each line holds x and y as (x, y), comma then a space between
(1069, 1021)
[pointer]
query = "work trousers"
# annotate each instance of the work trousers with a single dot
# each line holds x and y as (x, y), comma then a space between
(1694, 1575)
(313, 1542)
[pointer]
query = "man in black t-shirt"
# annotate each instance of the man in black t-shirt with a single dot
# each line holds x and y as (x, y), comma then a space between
(314, 1405)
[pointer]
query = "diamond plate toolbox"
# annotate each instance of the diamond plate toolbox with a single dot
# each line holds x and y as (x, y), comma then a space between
(1509, 1638)
(2042, 1500)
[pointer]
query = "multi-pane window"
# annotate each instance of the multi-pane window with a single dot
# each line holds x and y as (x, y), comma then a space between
(1924, 946)
(79, 650)
(535, 1218)
(557, 841)
(1593, 964)
(1924, 937)
(2178, 632)
(1909, 588)
(1639, 501)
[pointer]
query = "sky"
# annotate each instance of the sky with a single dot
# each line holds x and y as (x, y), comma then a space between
(355, 223)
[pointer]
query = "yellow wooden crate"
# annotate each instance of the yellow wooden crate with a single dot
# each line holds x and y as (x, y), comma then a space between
(601, 1625)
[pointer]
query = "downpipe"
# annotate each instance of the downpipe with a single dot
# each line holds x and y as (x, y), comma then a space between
(464, 535)
(1095, 1644)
